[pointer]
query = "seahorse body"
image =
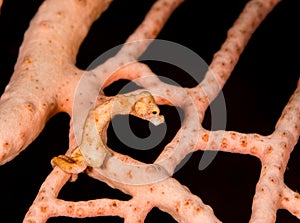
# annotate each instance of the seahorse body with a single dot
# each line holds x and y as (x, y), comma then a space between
(93, 151)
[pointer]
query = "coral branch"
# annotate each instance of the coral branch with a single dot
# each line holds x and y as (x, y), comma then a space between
(169, 196)
(237, 38)
(288, 126)
(150, 27)
(91, 208)
(290, 201)
(235, 142)
(46, 81)
(139, 40)
(43, 206)
(269, 190)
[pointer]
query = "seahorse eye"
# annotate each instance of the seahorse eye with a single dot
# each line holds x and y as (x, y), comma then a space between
(154, 112)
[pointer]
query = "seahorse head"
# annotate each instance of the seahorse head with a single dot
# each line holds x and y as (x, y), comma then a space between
(146, 108)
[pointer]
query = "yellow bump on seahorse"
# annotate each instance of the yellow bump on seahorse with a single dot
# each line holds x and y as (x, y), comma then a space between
(93, 151)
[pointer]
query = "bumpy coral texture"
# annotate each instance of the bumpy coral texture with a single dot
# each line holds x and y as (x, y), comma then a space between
(45, 82)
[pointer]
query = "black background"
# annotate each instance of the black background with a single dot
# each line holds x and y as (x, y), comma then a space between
(255, 95)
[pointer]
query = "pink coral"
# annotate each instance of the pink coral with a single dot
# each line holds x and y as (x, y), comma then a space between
(44, 83)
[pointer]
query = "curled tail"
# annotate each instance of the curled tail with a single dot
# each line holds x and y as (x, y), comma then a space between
(74, 164)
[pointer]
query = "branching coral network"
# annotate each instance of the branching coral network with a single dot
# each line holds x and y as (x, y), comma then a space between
(46, 81)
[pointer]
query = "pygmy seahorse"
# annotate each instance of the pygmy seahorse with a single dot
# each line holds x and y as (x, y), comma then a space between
(93, 151)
